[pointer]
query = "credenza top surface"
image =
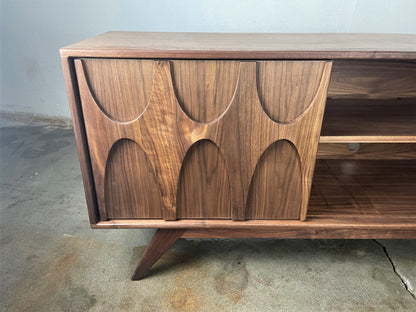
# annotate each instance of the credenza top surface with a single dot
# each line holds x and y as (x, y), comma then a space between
(245, 46)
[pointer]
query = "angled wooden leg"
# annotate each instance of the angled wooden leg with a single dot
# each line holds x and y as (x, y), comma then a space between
(160, 243)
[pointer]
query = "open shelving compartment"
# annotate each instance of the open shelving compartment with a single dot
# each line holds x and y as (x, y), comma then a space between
(366, 167)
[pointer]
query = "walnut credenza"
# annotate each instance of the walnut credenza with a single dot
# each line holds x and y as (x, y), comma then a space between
(246, 135)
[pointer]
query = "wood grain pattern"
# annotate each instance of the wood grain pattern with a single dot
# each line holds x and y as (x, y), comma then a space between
(384, 138)
(372, 80)
(286, 89)
(161, 242)
(313, 223)
(131, 80)
(130, 195)
(368, 187)
(383, 121)
(341, 232)
(153, 131)
(204, 88)
(165, 133)
(81, 138)
(249, 46)
(367, 151)
(247, 131)
(204, 187)
(276, 184)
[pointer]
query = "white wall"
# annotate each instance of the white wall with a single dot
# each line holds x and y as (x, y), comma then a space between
(32, 31)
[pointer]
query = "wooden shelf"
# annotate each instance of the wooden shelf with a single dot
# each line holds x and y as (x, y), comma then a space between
(360, 189)
(367, 151)
(370, 121)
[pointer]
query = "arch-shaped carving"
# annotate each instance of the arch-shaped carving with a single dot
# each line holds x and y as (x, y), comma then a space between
(121, 88)
(204, 187)
(204, 88)
(131, 190)
(276, 186)
(287, 88)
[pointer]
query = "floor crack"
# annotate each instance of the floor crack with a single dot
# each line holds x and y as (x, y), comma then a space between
(394, 268)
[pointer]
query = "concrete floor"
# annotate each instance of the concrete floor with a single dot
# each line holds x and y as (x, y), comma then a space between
(52, 261)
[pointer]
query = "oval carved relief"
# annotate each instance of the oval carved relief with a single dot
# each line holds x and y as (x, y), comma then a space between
(287, 88)
(204, 187)
(204, 88)
(120, 87)
(276, 187)
(131, 190)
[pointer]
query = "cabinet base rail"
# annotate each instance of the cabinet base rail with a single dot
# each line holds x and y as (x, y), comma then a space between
(163, 239)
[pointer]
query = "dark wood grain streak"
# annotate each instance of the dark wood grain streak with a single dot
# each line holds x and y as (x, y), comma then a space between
(245, 46)
(81, 138)
(160, 243)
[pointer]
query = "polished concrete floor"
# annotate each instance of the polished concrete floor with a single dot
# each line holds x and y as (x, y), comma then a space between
(52, 261)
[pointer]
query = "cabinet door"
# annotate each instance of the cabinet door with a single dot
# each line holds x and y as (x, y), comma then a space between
(202, 138)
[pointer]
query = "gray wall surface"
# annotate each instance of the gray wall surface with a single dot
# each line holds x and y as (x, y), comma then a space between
(32, 31)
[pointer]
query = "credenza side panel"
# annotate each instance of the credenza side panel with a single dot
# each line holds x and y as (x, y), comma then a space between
(197, 139)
